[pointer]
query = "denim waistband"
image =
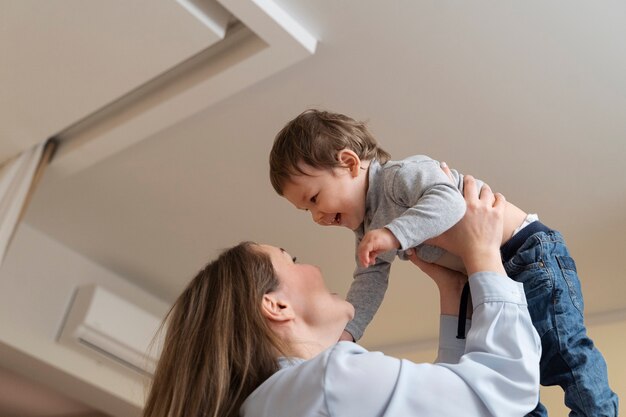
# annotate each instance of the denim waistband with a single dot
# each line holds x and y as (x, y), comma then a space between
(509, 248)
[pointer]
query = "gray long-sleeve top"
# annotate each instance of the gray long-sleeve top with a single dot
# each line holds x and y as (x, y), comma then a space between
(498, 374)
(416, 201)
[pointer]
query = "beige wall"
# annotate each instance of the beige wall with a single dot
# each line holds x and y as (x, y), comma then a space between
(37, 281)
(609, 337)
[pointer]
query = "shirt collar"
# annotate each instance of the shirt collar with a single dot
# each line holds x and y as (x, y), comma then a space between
(372, 196)
(287, 362)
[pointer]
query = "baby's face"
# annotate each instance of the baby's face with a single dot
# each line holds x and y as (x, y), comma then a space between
(335, 197)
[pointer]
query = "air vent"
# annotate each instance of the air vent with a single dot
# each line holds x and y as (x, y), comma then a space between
(107, 326)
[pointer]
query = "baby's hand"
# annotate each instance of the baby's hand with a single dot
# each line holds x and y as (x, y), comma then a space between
(374, 243)
(346, 336)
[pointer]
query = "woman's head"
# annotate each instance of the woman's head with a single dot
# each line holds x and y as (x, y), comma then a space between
(301, 310)
(218, 346)
(228, 327)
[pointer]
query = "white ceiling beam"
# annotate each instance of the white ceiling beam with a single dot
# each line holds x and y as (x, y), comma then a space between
(210, 13)
(278, 42)
(61, 61)
(273, 25)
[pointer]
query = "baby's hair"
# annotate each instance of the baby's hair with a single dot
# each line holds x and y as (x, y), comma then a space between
(314, 138)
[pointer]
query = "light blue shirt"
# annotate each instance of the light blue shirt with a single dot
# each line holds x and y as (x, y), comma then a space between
(494, 372)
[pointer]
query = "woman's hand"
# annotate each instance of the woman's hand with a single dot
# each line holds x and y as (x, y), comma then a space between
(346, 336)
(477, 236)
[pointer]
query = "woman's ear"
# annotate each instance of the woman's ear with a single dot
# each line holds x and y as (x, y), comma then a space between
(350, 160)
(275, 309)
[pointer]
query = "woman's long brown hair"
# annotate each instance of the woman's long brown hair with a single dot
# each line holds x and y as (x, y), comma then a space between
(218, 347)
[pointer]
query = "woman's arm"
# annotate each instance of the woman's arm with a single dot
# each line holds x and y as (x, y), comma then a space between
(475, 238)
(497, 376)
(450, 285)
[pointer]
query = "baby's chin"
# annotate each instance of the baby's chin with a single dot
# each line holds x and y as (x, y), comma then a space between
(356, 227)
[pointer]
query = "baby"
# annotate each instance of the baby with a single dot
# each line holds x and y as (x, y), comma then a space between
(331, 165)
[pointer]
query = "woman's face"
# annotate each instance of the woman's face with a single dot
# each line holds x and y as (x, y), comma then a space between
(304, 287)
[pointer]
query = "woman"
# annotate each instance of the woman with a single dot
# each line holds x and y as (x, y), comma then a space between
(255, 334)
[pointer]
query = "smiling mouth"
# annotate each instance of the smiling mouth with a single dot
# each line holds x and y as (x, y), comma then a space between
(335, 221)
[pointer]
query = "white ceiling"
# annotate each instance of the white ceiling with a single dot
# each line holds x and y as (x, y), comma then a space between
(65, 60)
(530, 97)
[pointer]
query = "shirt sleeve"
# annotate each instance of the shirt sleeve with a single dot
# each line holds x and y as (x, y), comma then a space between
(498, 375)
(433, 203)
(366, 294)
(450, 348)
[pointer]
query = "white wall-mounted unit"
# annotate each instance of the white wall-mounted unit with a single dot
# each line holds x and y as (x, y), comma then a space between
(104, 324)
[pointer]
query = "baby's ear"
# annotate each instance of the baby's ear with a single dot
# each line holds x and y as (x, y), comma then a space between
(350, 160)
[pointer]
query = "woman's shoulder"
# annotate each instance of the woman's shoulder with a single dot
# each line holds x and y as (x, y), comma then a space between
(296, 389)
(347, 357)
(337, 376)
(343, 376)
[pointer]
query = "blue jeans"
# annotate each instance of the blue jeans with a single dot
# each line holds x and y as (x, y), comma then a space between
(538, 258)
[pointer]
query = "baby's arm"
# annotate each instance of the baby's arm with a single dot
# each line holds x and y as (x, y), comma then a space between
(433, 203)
(366, 295)
(346, 336)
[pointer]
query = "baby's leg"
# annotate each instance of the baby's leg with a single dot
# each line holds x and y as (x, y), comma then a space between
(555, 302)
